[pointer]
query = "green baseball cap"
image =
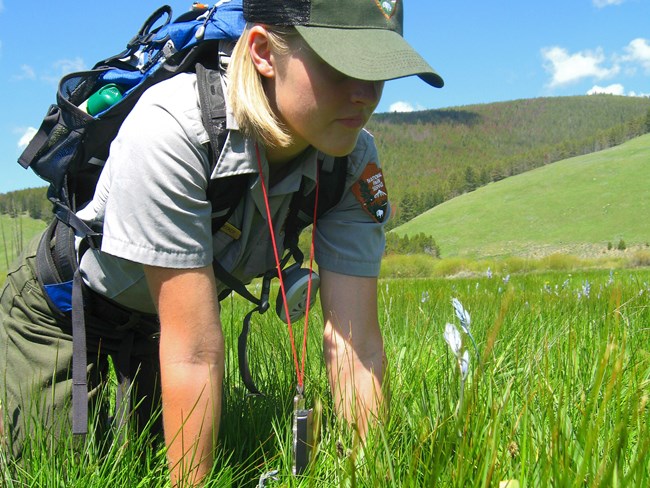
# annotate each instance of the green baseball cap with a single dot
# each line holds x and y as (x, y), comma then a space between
(360, 38)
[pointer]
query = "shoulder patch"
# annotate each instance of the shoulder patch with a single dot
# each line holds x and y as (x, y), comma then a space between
(370, 190)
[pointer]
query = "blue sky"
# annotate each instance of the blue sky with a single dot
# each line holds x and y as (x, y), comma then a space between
(486, 50)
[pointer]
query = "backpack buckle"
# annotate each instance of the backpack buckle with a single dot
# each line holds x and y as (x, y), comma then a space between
(94, 241)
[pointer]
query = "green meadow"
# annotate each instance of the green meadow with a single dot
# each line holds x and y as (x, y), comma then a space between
(555, 394)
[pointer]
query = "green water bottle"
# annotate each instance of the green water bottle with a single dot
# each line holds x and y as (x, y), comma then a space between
(103, 98)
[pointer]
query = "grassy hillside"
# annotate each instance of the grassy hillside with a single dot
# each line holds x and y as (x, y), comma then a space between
(432, 156)
(576, 205)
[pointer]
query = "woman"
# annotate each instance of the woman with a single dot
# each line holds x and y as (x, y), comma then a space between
(302, 82)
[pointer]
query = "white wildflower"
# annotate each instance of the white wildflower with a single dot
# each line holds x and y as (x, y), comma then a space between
(463, 363)
(452, 336)
(465, 320)
(586, 289)
(462, 314)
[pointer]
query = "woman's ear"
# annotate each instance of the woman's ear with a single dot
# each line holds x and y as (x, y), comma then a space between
(260, 51)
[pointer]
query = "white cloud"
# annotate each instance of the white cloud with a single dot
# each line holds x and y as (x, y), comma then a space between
(615, 89)
(400, 107)
(568, 68)
(26, 73)
(606, 3)
(638, 51)
(63, 67)
(52, 75)
(26, 136)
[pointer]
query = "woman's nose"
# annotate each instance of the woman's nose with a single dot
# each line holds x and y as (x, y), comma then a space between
(366, 92)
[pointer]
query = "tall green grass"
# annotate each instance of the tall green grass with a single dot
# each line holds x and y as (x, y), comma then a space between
(557, 395)
(15, 233)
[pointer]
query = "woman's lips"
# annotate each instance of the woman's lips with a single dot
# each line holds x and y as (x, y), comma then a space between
(353, 122)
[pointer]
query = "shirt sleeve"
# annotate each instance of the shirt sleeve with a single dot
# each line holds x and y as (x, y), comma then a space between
(348, 239)
(156, 211)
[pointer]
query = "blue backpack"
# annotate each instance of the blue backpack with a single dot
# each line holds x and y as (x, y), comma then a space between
(71, 145)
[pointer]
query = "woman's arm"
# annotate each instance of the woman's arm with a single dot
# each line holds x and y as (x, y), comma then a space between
(191, 366)
(353, 348)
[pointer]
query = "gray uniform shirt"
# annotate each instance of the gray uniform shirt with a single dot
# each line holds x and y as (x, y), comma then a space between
(151, 199)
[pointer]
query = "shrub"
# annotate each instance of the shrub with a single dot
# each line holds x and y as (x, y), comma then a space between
(451, 266)
(411, 266)
(420, 243)
(641, 258)
(621, 245)
(561, 262)
(515, 264)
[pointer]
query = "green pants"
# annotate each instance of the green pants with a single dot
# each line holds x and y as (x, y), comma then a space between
(36, 359)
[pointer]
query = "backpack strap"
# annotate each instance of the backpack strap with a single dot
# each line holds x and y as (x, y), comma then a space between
(213, 107)
(79, 359)
(59, 276)
(223, 193)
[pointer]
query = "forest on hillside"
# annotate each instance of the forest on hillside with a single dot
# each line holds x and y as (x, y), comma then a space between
(431, 156)
(32, 201)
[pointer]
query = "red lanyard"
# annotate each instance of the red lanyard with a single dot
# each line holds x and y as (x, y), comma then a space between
(300, 369)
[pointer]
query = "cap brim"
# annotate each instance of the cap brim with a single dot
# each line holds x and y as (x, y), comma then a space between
(368, 54)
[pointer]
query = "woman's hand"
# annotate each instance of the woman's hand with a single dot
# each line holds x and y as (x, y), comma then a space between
(191, 366)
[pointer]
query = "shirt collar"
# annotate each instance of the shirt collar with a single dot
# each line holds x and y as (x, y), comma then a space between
(239, 156)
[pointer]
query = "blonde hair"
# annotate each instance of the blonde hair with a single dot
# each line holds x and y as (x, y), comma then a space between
(246, 95)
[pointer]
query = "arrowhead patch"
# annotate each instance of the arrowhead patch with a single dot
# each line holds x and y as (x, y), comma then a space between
(370, 190)
(387, 7)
